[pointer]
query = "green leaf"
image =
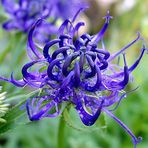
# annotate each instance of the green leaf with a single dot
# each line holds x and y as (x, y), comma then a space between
(77, 124)
(14, 114)
(11, 117)
(68, 120)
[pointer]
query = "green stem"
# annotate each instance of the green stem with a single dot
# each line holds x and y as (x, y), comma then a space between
(61, 139)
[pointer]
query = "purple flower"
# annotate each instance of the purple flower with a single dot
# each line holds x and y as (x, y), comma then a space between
(66, 9)
(76, 70)
(25, 12)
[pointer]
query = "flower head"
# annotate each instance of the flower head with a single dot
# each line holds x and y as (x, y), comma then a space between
(76, 70)
(25, 12)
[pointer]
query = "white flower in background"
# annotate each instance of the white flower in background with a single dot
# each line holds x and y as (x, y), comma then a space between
(125, 6)
(3, 106)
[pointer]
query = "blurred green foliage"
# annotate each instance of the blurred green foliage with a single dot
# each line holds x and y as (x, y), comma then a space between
(106, 133)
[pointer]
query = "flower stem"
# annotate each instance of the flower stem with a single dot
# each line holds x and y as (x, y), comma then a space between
(61, 141)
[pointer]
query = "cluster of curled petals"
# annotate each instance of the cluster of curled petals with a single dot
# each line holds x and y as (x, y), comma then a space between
(76, 70)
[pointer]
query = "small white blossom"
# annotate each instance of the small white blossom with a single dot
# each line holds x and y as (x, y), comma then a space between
(3, 106)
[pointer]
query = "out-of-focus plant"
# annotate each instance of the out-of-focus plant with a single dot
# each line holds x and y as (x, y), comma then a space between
(25, 12)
